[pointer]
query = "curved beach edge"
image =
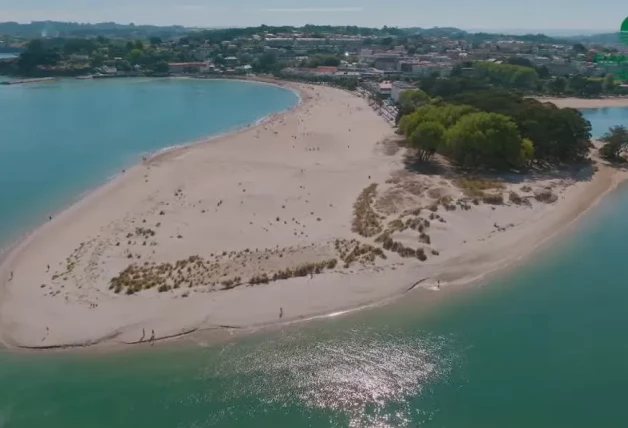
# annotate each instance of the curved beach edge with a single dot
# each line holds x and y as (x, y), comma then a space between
(9, 252)
(338, 293)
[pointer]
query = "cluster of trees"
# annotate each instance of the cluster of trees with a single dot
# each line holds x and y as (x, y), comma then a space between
(410, 100)
(36, 54)
(497, 129)
(559, 135)
(470, 137)
(615, 143)
(322, 60)
(520, 74)
(507, 75)
(581, 86)
(44, 53)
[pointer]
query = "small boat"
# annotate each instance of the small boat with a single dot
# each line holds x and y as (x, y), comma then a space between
(85, 77)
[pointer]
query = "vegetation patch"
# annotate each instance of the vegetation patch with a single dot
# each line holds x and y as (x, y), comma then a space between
(546, 196)
(397, 247)
(144, 232)
(296, 272)
(475, 188)
(354, 251)
(366, 222)
(493, 199)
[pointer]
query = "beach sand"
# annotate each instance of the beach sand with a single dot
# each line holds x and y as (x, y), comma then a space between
(586, 103)
(205, 221)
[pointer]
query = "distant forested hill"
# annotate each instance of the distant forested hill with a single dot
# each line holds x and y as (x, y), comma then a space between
(73, 29)
(602, 39)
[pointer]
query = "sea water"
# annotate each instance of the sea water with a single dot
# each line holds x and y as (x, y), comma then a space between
(542, 346)
(602, 119)
(60, 139)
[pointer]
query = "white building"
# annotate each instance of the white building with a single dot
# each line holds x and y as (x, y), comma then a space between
(398, 88)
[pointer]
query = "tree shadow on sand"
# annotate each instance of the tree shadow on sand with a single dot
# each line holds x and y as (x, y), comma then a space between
(439, 165)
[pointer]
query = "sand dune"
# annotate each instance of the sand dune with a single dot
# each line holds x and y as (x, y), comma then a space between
(194, 228)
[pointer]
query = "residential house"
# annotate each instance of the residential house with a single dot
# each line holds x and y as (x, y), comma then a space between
(188, 67)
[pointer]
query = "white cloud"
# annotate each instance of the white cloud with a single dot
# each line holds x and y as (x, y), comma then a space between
(314, 10)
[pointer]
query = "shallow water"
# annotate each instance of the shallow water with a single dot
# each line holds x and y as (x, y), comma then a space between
(603, 118)
(59, 139)
(543, 346)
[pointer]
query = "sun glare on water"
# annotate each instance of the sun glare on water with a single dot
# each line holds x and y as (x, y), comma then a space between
(362, 378)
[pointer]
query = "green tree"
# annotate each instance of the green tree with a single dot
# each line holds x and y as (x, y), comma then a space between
(579, 48)
(428, 138)
(507, 75)
(608, 86)
(485, 140)
(161, 67)
(323, 60)
(524, 77)
(445, 114)
(411, 99)
(527, 150)
(616, 143)
(36, 54)
(267, 63)
(155, 41)
(559, 135)
(556, 86)
(136, 56)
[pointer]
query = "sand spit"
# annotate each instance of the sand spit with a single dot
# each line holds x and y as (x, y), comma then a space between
(312, 211)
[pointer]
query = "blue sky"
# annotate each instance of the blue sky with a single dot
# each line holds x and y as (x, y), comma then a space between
(468, 14)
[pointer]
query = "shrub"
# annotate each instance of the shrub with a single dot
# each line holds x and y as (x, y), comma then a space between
(515, 198)
(476, 187)
(493, 199)
(546, 196)
(365, 220)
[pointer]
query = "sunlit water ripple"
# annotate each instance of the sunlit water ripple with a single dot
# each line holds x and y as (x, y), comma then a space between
(364, 375)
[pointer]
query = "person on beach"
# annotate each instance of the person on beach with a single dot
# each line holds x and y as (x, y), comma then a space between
(280, 313)
(11, 277)
(152, 338)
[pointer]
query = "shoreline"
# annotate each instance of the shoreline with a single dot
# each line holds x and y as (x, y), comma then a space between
(18, 244)
(585, 103)
(149, 157)
(320, 296)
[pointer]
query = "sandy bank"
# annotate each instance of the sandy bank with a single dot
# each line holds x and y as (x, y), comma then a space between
(584, 103)
(195, 227)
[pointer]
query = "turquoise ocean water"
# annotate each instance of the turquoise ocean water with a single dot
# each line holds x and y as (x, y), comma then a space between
(603, 118)
(542, 346)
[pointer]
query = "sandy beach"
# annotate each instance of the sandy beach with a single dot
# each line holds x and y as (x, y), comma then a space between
(586, 103)
(313, 211)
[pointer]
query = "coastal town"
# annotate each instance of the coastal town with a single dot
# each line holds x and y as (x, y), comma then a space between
(382, 61)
